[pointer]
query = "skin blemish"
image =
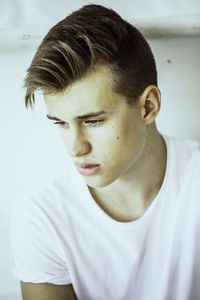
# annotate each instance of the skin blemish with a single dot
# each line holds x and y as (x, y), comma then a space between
(117, 138)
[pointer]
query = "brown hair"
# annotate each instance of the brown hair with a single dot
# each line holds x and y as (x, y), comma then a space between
(93, 35)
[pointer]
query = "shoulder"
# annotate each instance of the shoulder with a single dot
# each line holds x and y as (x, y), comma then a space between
(38, 223)
(47, 209)
(183, 147)
(184, 154)
(49, 194)
(188, 151)
(187, 160)
(40, 226)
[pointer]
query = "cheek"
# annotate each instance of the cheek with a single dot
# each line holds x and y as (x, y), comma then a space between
(112, 149)
(124, 145)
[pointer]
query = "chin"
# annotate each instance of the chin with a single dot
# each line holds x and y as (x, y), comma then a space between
(98, 182)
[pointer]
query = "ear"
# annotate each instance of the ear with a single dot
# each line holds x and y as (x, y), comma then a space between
(150, 102)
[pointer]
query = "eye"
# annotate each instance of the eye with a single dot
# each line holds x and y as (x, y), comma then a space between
(93, 122)
(62, 124)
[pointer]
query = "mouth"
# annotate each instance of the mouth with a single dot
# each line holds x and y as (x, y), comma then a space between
(87, 169)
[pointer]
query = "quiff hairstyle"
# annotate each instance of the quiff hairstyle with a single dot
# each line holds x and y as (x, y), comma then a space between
(91, 36)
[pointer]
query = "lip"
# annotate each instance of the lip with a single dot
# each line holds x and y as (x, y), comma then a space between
(87, 169)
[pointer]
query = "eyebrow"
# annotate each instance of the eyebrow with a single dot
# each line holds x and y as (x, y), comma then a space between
(89, 115)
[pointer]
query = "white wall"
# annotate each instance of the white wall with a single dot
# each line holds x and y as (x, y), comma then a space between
(30, 148)
(23, 13)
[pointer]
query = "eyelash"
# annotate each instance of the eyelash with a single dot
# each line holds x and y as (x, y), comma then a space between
(60, 123)
(92, 122)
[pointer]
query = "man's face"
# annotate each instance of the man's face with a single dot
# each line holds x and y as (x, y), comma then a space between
(113, 139)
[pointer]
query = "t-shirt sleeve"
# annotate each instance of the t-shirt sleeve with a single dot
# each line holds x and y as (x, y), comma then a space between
(36, 256)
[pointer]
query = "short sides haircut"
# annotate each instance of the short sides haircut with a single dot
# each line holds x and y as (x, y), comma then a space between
(91, 36)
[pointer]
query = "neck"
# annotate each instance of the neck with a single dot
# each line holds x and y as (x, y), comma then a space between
(140, 184)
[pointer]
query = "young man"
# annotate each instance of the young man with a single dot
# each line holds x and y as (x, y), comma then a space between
(123, 224)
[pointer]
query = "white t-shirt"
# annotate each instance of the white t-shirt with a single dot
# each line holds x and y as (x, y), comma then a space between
(61, 235)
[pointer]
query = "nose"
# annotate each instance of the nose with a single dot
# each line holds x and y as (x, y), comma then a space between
(80, 147)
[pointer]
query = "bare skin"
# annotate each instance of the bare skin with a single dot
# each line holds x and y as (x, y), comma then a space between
(125, 143)
(47, 291)
(128, 199)
(133, 156)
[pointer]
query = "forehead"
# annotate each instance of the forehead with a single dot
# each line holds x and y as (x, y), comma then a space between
(93, 92)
